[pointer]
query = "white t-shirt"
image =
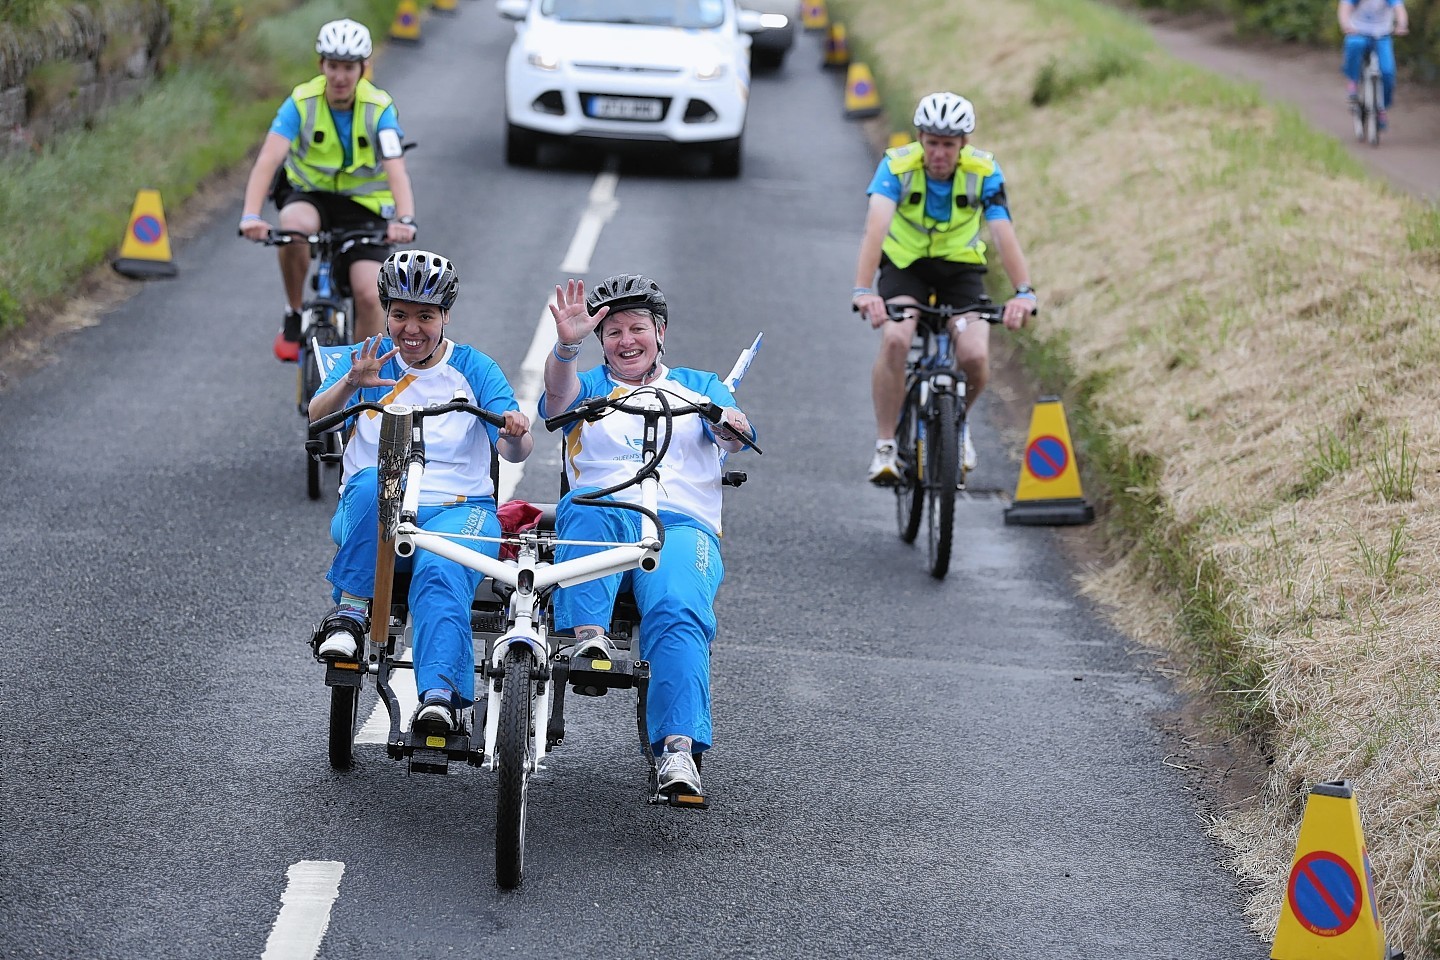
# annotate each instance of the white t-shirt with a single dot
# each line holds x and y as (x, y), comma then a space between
(607, 452)
(458, 447)
(1373, 18)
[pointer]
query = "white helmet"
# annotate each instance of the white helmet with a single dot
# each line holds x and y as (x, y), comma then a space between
(343, 40)
(945, 115)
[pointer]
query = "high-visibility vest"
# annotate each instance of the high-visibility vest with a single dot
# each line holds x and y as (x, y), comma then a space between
(913, 234)
(316, 163)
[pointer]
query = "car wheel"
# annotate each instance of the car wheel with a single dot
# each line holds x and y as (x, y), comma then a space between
(521, 146)
(769, 61)
(725, 159)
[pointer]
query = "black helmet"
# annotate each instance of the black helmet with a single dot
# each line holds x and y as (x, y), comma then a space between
(418, 276)
(628, 291)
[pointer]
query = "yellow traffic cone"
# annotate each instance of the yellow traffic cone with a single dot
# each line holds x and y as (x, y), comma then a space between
(813, 15)
(900, 140)
(1329, 912)
(1048, 493)
(444, 6)
(837, 50)
(145, 251)
(406, 26)
(861, 97)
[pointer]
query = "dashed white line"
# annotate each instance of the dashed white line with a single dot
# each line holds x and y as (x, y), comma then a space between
(311, 887)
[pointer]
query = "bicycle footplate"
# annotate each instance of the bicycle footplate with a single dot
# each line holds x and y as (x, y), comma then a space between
(690, 801)
(434, 753)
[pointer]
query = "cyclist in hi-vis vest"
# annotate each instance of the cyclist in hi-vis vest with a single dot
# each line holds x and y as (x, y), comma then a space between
(1367, 24)
(338, 140)
(922, 235)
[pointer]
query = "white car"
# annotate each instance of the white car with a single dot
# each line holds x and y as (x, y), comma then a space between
(629, 71)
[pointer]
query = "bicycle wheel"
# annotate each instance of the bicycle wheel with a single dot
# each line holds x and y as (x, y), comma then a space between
(513, 756)
(344, 713)
(942, 461)
(909, 490)
(1373, 99)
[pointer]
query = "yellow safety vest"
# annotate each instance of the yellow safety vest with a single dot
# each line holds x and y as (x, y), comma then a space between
(913, 234)
(316, 163)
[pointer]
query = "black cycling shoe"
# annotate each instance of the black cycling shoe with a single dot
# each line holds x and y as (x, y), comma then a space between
(340, 635)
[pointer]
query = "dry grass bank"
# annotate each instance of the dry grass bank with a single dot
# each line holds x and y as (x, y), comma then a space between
(1248, 325)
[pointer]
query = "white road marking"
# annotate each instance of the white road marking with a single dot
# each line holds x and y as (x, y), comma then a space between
(601, 208)
(311, 887)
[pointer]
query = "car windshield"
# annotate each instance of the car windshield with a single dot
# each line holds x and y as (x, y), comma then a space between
(688, 14)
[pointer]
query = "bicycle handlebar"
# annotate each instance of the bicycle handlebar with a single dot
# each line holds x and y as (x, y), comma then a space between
(343, 239)
(597, 407)
(982, 309)
(458, 405)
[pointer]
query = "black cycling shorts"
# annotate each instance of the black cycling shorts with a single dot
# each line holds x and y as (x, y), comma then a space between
(953, 284)
(336, 213)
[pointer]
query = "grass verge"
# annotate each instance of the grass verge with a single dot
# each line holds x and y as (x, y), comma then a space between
(1245, 366)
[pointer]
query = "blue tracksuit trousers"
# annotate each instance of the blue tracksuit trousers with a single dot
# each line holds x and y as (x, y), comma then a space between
(677, 610)
(441, 590)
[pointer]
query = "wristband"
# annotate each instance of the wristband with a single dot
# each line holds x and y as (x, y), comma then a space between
(246, 218)
(1028, 295)
(555, 351)
(860, 292)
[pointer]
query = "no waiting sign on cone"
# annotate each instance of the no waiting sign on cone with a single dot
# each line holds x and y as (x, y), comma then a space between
(1048, 493)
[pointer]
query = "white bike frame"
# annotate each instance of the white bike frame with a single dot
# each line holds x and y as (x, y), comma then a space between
(529, 576)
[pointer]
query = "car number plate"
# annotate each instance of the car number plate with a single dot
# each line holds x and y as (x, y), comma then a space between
(626, 108)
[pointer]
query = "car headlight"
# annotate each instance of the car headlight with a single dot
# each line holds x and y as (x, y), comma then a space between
(709, 70)
(543, 60)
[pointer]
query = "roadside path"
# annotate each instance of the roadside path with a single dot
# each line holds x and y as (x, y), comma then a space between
(1409, 152)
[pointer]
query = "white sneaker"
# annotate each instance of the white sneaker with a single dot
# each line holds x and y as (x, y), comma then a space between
(677, 774)
(969, 458)
(596, 648)
(884, 470)
(337, 645)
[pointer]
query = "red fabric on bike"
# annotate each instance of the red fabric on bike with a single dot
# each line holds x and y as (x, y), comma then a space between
(515, 516)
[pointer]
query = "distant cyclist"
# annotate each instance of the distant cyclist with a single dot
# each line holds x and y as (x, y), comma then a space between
(922, 233)
(338, 139)
(1367, 25)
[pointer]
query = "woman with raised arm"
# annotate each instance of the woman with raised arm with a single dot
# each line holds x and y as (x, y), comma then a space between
(629, 315)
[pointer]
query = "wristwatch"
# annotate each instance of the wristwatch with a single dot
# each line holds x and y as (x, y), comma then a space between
(1023, 289)
(408, 220)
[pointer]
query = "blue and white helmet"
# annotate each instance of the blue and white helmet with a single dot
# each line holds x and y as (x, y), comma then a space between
(945, 115)
(418, 276)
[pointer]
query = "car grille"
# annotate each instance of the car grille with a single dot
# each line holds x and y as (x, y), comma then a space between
(620, 68)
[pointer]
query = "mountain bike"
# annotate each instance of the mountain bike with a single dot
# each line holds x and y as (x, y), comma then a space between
(523, 673)
(1369, 96)
(326, 319)
(932, 421)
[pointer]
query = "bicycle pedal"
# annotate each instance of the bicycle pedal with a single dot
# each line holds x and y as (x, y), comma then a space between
(687, 801)
(343, 673)
(432, 752)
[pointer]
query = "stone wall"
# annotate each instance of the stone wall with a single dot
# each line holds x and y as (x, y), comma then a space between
(57, 74)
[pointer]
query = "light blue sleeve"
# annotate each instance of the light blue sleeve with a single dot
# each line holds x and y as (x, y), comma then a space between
(992, 194)
(389, 120)
(885, 183)
(493, 390)
(287, 120)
